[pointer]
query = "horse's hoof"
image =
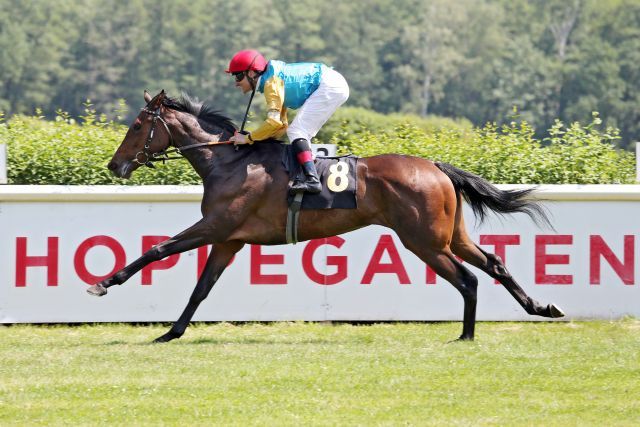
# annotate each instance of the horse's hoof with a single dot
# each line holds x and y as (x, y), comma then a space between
(555, 311)
(462, 338)
(166, 337)
(97, 290)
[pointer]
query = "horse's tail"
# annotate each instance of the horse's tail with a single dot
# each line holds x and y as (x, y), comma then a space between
(483, 196)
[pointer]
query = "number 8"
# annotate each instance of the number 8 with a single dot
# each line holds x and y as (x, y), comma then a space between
(338, 178)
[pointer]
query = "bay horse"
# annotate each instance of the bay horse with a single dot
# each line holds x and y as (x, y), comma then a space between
(245, 193)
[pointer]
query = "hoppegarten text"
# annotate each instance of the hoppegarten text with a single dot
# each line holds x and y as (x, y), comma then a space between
(384, 257)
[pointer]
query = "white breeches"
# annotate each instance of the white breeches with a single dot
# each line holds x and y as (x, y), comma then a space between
(332, 92)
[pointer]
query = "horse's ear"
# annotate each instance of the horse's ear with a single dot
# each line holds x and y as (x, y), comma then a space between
(147, 97)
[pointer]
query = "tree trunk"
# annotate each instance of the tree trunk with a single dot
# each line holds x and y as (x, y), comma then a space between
(426, 95)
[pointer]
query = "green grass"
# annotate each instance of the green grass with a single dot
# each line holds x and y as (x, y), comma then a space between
(562, 374)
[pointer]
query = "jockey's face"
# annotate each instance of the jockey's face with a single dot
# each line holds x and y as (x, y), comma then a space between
(244, 84)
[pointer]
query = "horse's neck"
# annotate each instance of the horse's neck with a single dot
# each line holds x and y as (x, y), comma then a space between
(220, 159)
(202, 159)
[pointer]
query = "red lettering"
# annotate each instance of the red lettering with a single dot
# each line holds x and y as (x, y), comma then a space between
(81, 254)
(624, 270)
(431, 276)
(500, 242)
(149, 242)
(543, 259)
(258, 260)
(385, 244)
(203, 256)
(23, 261)
(340, 262)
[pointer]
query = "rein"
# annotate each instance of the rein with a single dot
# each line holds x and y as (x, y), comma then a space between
(163, 155)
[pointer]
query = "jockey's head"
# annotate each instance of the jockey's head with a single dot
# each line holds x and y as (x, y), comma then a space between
(246, 66)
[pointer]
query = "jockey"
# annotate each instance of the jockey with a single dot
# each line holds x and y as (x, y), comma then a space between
(316, 89)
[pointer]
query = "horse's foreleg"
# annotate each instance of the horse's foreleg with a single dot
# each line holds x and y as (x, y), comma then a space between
(191, 238)
(218, 260)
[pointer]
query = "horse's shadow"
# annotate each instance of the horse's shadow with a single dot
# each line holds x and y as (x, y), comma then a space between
(230, 341)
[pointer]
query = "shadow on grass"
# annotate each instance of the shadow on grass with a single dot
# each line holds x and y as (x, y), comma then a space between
(115, 342)
(250, 341)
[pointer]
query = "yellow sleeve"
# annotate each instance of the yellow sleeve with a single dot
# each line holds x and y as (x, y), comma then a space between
(276, 122)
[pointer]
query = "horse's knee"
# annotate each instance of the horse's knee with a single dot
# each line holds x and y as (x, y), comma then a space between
(156, 253)
(197, 298)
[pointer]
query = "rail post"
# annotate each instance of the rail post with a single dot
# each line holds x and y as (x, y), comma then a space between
(3, 163)
(324, 150)
(637, 161)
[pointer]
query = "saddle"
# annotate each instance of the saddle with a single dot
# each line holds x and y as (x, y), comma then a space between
(339, 185)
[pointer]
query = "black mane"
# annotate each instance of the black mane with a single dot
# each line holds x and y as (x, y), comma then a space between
(203, 112)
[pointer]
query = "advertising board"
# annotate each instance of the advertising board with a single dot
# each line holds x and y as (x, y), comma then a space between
(57, 241)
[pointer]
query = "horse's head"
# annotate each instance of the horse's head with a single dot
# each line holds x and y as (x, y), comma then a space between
(147, 135)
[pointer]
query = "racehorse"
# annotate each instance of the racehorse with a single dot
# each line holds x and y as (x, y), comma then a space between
(245, 193)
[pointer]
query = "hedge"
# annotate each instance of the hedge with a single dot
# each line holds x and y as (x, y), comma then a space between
(349, 121)
(573, 154)
(67, 152)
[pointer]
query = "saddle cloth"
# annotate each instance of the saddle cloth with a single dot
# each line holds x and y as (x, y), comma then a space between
(338, 178)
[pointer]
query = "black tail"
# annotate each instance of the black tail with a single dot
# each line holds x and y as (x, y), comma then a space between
(483, 196)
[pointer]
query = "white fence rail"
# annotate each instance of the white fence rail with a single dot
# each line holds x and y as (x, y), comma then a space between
(57, 240)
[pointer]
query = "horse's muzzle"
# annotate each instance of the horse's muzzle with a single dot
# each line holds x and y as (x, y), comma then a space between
(121, 170)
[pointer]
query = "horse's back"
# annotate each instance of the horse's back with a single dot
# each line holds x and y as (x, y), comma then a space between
(400, 187)
(415, 173)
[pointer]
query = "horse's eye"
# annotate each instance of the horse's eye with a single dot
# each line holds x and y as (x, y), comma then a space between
(136, 126)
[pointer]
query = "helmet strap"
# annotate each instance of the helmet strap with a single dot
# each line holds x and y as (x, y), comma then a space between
(253, 81)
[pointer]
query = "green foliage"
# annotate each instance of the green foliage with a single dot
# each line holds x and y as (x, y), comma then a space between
(350, 121)
(509, 154)
(453, 58)
(66, 152)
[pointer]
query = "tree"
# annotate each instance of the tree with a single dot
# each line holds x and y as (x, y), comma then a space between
(431, 51)
(33, 45)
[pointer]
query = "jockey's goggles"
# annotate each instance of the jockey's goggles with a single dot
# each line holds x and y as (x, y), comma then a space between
(239, 76)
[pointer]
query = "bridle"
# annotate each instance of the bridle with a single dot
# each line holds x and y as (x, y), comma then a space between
(149, 157)
(145, 157)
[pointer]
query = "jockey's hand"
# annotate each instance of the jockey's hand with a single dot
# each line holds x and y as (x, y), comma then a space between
(239, 139)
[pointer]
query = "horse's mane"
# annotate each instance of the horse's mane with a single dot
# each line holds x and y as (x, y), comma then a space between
(203, 112)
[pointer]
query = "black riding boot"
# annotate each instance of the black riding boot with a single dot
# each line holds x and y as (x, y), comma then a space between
(311, 183)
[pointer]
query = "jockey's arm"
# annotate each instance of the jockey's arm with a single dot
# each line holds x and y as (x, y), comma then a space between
(276, 122)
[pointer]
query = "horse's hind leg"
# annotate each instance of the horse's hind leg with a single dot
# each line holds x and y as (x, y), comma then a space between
(218, 260)
(447, 266)
(462, 246)
(494, 267)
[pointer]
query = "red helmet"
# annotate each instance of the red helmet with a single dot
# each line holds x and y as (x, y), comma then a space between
(246, 60)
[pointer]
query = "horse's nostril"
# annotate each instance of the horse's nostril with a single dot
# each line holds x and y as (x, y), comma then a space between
(112, 166)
